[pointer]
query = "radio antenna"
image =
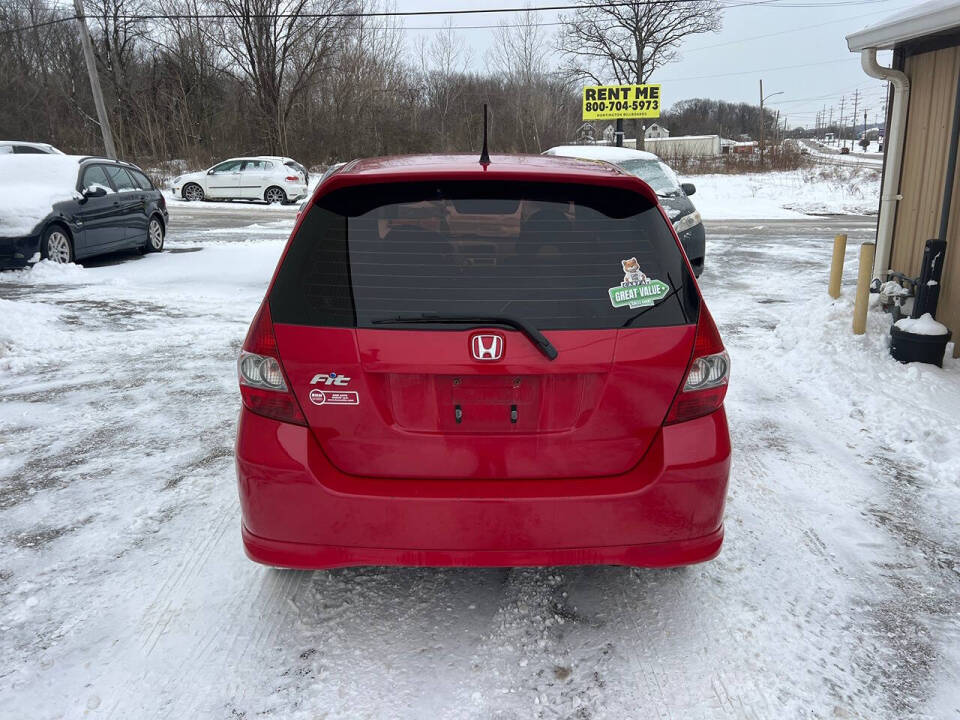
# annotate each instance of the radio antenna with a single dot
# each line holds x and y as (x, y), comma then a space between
(484, 155)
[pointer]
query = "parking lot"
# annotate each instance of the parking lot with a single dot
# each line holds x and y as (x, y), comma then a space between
(124, 592)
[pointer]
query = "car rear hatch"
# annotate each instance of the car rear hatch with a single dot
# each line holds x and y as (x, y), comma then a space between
(484, 330)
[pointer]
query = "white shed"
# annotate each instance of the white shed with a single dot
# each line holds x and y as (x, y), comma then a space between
(684, 146)
(656, 131)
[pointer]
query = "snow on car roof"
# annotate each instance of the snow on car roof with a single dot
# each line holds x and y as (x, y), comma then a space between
(277, 158)
(30, 185)
(606, 153)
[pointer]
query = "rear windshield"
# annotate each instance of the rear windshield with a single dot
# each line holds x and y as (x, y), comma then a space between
(558, 256)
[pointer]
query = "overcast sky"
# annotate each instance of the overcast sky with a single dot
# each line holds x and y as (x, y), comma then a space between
(800, 51)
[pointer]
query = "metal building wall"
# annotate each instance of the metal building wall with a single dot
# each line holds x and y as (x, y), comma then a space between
(933, 84)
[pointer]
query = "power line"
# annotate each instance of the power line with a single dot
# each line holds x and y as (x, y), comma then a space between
(449, 13)
(46, 23)
(756, 70)
(782, 32)
(611, 4)
(837, 93)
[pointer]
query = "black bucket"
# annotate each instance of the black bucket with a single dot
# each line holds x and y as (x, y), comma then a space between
(910, 347)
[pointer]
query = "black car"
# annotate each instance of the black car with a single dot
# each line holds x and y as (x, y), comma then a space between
(108, 206)
(674, 196)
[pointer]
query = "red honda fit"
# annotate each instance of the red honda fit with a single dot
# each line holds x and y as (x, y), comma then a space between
(482, 364)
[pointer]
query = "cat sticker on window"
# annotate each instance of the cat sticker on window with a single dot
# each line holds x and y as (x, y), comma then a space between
(637, 289)
(632, 273)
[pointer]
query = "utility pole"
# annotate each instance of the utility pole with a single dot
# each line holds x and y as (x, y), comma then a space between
(856, 100)
(840, 122)
(102, 116)
(830, 124)
(763, 117)
(761, 124)
(865, 128)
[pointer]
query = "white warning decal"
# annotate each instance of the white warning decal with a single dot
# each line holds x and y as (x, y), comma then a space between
(334, 397)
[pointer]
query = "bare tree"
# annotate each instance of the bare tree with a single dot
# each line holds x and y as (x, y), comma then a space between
(279, 48)
(116, 39)
(519, 56)
(520, 49)
(369, 81)
(443, 62)
(187, 86)
(628, 43)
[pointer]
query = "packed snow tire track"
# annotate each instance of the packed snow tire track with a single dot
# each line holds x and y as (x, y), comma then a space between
(124, 592)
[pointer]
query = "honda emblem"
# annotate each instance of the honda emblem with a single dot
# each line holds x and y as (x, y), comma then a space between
(486, 347)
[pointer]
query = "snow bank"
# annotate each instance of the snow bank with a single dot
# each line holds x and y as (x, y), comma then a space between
(819, 353)
(30, 185)
(789, 194)
(923, 325)
(46, 272)
(29, 332)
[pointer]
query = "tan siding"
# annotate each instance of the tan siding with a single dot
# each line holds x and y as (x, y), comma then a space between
(933, 80)
(948, 312)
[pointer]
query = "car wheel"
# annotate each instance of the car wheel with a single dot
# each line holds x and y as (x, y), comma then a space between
(275, 195)
(56, 245)
(192, 192)
(154, 236)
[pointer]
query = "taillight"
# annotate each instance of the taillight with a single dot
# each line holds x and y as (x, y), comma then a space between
(292, 178)
(705, 383)
(262, 383)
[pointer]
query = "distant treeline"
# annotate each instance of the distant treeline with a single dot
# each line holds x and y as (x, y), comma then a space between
(317, 88)
(700, 116)
(199, 80)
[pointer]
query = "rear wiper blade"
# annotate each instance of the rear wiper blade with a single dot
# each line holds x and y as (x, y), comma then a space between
(535, 336)
(676, 289)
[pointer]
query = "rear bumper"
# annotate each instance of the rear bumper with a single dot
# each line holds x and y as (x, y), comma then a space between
(19, 252)
(295, 192)
(299, 555)
(299, 511)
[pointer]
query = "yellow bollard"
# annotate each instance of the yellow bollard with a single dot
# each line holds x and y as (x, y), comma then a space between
(867, 252)
(836, 265)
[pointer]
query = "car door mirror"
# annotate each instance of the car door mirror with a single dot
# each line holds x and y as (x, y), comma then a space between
(688, 188)
(92, 192)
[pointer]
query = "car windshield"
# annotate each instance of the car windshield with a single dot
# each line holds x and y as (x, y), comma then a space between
(554, 256)
(656, 174)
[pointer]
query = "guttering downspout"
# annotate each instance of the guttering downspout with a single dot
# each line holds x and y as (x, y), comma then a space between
(895, 136)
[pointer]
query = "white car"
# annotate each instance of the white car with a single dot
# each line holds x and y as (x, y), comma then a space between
(20, 147)
(257, 177)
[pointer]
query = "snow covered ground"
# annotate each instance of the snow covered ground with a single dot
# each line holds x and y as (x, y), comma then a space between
(124, 592)
(789, 194)
(873, 149)
(828, 190)
(253, 207)
(830, 154)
